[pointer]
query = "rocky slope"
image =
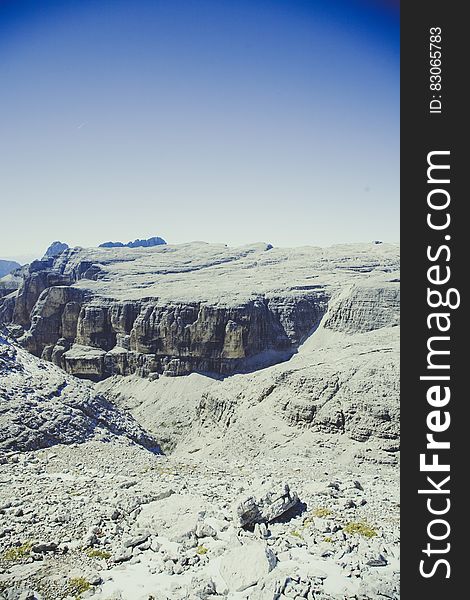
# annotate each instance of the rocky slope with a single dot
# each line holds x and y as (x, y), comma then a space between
(196, 307)
(41, 406)
(111, 521)
(101, 515)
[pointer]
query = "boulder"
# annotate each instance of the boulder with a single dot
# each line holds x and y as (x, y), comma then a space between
(267, 508)
(244, 566)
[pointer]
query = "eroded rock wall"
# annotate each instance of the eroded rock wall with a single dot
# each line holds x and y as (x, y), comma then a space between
(195, 308)
(95, 337)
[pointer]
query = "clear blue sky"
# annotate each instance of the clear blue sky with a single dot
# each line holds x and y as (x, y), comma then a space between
(220, 120)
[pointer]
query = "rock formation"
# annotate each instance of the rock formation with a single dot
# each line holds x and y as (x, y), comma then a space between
(55, 249)
(311, 340)
(197, 307)
(12, 281)
(268, 507)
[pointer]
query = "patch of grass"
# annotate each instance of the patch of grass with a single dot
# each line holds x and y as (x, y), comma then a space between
(97, 553)
(296, 533)
(201, 550)
(78, 585)
(321, 512)
(360, 529)
(306, 523)
(166, 471)
(328, 539)
(18, 552)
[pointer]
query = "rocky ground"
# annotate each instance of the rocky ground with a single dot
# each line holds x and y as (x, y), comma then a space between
(110, 520)
(97, 512)
(281, 482)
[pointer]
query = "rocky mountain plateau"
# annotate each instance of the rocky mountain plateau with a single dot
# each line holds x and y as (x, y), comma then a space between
(200, 422)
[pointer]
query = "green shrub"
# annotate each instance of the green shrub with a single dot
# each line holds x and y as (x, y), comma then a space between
(321, 512)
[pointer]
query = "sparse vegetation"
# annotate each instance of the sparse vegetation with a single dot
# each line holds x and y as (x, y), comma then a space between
(166, 471)
(328, 539)
(201, 550)
(296, 533)
(97, 553)
(18, 552)
(78, 585)
(321, 512)
(360, 529)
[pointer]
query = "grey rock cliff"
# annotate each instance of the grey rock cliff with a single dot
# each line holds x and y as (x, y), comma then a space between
(197, 307)
(365, 307)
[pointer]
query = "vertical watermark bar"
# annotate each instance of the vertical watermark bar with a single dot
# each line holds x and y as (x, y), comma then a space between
(434, 327)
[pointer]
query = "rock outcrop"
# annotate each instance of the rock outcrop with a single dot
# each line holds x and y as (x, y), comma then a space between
(174, 310)
(55, 249)
(366, 307)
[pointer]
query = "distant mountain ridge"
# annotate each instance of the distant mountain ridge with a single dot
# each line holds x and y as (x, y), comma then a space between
(7, 266)
(153, 241)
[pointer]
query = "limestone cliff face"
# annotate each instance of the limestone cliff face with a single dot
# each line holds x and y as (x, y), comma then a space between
(352, 391)
(101, 312)
(96, 338)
